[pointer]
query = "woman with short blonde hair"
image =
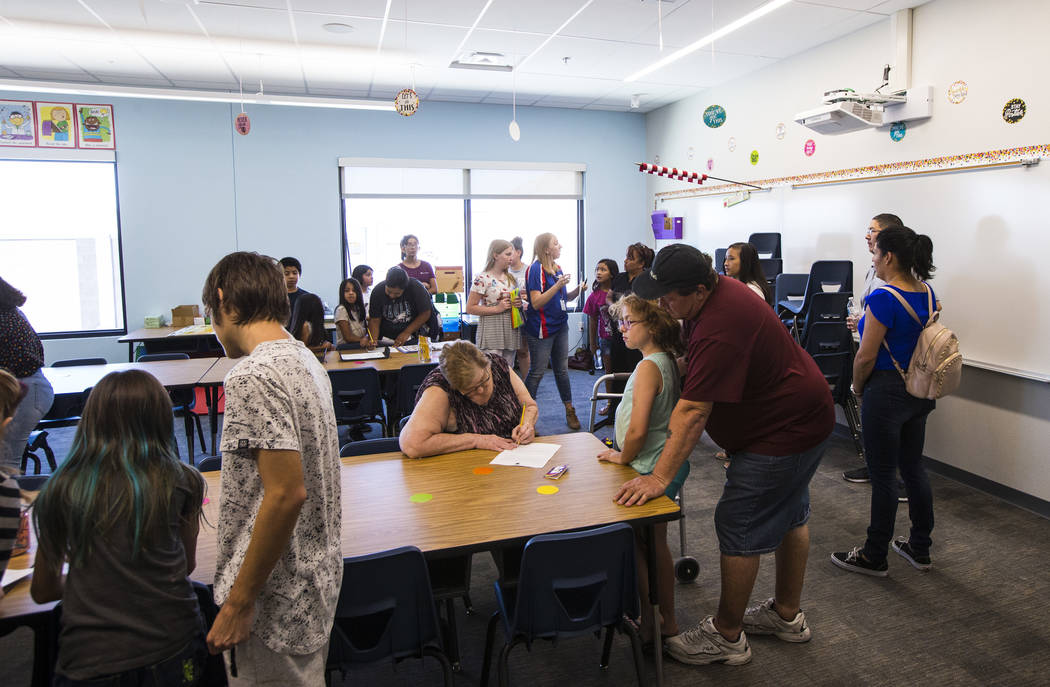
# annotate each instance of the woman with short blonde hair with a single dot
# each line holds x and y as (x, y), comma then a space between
(472, 400)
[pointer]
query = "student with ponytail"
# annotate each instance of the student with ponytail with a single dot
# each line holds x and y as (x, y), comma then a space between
(124, 513)
(894, 421)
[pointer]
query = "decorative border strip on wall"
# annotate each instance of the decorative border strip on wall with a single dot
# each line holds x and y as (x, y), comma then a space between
(934, 165)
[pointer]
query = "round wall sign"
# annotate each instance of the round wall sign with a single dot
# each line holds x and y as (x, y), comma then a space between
(810, 147)
(731, 143)
(714, 116)
(957, 92)
(781, 130)
(754, 157)
(897, 130)
(406, 102)
(242, 124)
(1014, 110)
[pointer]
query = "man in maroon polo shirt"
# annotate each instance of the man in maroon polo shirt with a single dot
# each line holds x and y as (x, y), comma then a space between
(763, 399)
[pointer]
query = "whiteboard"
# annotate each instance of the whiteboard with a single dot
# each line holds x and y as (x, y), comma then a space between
(991, 246)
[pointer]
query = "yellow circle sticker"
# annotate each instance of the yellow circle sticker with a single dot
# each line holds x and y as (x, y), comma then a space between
(547, 489)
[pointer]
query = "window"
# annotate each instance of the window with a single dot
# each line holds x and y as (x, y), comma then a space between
(60, 244)
(456, 209)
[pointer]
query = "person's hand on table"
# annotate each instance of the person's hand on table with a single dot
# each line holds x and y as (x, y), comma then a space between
(367, 344)
(491, 442)
(639, 490)
(612, 456)
(402, 338)
(231, 627)
(523, 434)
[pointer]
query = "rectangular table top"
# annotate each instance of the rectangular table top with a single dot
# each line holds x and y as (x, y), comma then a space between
(170, 373)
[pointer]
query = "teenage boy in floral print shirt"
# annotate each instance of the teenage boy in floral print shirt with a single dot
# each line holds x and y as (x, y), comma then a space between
(279, 563)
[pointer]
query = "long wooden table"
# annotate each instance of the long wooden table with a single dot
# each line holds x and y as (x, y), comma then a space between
(170, 373)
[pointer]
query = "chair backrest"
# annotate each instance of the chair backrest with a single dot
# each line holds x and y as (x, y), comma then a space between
(210, 464)
(356, 394)
(789, 285)
(154, 357)
(766, 244)
(827, 337)
(720, 260)
(576, 582)
(830, 276)
(837, 372)
(369, 446)
(74, 362)
(408, 382)
(385, 608)
(31, 482)
(771, 267)
(402, 422)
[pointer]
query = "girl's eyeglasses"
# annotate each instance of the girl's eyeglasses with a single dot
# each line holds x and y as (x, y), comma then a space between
(627, 324)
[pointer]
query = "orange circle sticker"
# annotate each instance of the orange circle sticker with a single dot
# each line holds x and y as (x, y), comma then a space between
(484, 470)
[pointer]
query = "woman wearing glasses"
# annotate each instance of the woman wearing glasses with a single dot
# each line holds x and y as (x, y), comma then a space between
(472, 400)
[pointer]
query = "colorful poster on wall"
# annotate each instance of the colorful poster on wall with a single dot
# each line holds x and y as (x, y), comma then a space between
(1014, 110)
(95, 126)
(714, 116)
(897, 130)
(16, 123)
(54, 125)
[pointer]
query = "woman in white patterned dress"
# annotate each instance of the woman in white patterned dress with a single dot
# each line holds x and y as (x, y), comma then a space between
(490, 299)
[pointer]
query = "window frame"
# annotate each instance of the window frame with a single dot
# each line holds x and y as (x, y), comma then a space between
(98, 157)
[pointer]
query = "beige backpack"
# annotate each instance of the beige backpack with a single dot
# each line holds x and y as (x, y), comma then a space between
(935, 369)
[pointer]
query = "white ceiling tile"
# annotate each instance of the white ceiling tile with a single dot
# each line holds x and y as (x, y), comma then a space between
(787, 31)
(891, 6)
(56, 75)
(858, 5)
(543, 16)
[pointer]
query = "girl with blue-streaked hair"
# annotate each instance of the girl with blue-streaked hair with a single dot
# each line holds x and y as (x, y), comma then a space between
(124, 513)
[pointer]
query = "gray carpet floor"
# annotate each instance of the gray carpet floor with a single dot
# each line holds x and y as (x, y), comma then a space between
(978, 617)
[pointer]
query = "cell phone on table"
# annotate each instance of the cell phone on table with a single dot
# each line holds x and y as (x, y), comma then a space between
(557, 471)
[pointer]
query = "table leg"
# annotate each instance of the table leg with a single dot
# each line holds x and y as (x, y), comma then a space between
(654, 600)
(131, 351)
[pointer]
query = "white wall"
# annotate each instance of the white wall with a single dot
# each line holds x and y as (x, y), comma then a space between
(997, 426)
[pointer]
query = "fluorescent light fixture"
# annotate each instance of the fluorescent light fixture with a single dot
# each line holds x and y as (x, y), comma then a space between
(708, 39)
(198, 96)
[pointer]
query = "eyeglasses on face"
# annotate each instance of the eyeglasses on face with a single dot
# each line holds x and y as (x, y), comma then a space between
(627, 324)
(479, 385)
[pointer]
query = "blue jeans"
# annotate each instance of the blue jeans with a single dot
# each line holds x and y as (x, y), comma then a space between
(554, 349)
(28, 413)
(184, 669)
(894, 425)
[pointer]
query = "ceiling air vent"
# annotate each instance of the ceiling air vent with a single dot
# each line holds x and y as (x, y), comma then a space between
(490, 61)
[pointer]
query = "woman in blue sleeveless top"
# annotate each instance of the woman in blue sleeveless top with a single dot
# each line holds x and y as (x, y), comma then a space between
(894, 421)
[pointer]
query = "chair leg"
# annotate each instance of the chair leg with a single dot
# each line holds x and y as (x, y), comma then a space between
(503, 667)
(187, 422)
(606, 648)
(468, 606)
(490, 638)
(200, 433)
(453, 634)
(636, 651)
(26, 456)
(48, 453)
(446, 667)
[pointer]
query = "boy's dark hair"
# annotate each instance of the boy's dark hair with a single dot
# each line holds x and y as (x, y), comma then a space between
(886, 220)
(518, 244)
(292, 262)
(10, 297)
(252, 286)
(396, 278)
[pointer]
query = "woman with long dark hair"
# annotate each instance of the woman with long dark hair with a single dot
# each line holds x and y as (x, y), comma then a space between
(308, 323)
(363, 275)
(22, 354)
(124, 513)
(351, 320)
(742, 264)
(416, 268)
(894, 421)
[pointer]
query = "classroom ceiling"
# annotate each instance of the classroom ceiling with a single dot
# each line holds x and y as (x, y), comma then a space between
(569, 53)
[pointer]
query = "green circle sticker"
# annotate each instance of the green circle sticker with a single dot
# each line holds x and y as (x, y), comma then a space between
(420, 498)
(715, 116)
(754, 157)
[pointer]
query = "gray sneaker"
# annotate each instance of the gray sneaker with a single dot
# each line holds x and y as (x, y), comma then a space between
(703, 645)
(763, 619)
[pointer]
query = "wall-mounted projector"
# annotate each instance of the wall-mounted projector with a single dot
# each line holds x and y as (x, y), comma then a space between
(844, 110)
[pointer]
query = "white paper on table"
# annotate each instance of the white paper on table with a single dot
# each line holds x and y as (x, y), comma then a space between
(370, 355)
(414, 348)
(527, 456)
(12, 576)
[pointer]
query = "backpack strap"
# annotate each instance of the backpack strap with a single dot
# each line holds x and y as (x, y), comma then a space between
(915, 317)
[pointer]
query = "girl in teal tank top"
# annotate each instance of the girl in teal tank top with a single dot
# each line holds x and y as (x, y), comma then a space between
(641, 429)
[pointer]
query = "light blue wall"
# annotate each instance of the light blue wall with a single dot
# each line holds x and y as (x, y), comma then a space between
(191, 190)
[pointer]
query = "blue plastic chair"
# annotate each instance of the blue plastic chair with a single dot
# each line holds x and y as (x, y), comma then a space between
(409, 379)
(570, 584)
(385, 610)
(369, 446)
(829, 308)
(825, 276)
(766, 244)
(771, 267)
(828, 337)
(720, 260)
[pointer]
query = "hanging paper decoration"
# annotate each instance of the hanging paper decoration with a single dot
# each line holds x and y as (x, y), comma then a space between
(714, 116)
(957, 92)
(732, 143)
(656, 159)
(54, 125)
(689, 153)
(684, 174)
(1014, 110)
(810, 147)
(897, 130)
(406, 102)
(242, 123)
(781, 131)
(754, 157)
(710, 163)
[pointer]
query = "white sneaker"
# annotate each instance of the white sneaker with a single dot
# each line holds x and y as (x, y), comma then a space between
(703, 644)
(763, 619)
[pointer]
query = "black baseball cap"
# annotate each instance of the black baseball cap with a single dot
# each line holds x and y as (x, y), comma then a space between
(676, 266)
